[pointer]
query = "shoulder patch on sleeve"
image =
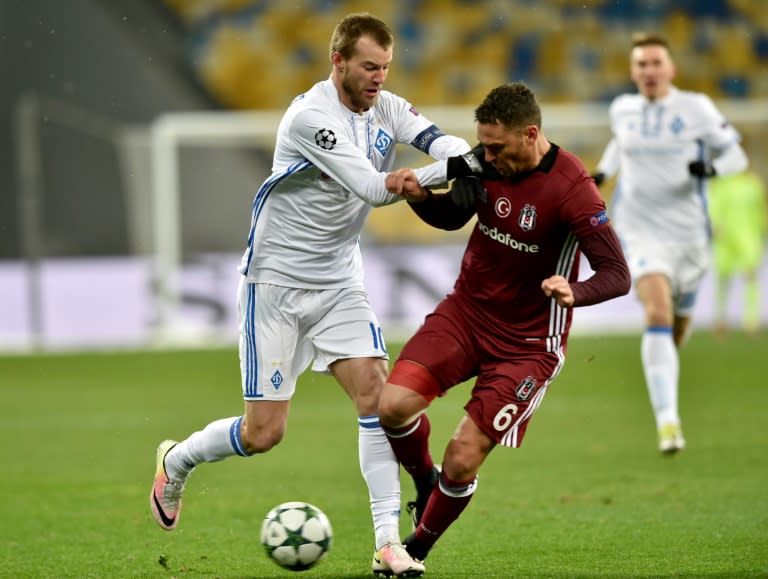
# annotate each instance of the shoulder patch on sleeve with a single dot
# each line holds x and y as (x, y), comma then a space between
(325, 139)
(598, 218)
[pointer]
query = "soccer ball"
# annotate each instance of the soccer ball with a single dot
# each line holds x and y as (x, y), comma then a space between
(296, 535)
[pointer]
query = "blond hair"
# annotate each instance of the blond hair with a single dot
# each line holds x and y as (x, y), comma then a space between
(352, 27)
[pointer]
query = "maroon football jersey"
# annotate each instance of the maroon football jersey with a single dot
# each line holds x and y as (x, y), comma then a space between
(528, 229)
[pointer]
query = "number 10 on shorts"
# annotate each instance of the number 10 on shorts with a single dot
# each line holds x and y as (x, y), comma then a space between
(378, 337)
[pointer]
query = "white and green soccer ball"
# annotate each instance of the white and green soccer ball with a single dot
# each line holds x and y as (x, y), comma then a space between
(296, 535)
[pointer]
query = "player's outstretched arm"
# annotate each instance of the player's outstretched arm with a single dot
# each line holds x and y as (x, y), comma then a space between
(318, 138)
(405, 183)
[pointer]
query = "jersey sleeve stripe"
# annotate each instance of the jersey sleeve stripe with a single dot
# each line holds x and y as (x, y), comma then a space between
(558, 318)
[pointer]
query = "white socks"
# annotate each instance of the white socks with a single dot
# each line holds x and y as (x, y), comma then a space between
(381, 472)
(380, 469)
(661, 366)
(215, 442)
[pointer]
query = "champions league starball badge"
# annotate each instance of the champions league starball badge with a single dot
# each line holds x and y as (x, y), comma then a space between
(325, 139)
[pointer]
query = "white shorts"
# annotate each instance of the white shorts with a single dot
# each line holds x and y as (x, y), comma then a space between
(283, 329)
(684, 266)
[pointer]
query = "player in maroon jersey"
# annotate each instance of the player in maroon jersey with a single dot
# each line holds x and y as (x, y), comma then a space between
(507, 320)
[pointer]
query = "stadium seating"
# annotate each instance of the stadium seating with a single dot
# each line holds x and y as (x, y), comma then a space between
(261, 53)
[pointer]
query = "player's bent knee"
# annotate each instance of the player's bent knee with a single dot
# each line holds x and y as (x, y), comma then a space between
(391, 410)
(460, 467)
(399, 405)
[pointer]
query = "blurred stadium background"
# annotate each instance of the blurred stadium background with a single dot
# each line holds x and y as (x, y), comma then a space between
(114, 107)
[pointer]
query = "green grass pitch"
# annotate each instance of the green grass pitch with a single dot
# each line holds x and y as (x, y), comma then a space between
(586, 496)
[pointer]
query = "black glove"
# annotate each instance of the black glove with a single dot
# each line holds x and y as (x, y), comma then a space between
(701, 169)
(598, 178)
(465, 165)
(465, 191)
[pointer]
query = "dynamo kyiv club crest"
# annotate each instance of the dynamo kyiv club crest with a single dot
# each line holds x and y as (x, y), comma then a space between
(383, 142)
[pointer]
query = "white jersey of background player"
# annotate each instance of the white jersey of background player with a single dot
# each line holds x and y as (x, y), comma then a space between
(654, 142)
(301, 297)
(666, 143)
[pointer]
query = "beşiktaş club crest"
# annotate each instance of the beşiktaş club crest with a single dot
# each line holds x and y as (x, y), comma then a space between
(527, 219)
(325, 139)
(525, 388)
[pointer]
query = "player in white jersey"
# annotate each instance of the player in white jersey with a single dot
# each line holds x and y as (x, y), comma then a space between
(666, 144)
(301, 297)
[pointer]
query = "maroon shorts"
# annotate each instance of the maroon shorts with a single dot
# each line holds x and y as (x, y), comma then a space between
(512, 378)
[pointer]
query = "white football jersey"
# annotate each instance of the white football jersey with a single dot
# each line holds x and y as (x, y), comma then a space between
(652, 146)
(329, 169)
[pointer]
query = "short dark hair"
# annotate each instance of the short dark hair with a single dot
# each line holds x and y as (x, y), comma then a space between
(353, 26)
(513, 105)
(649, 39)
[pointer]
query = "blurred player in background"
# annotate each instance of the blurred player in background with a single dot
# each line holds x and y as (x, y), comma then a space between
(301, 297)
(739, 214)
(666, 144)
(507, 321)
